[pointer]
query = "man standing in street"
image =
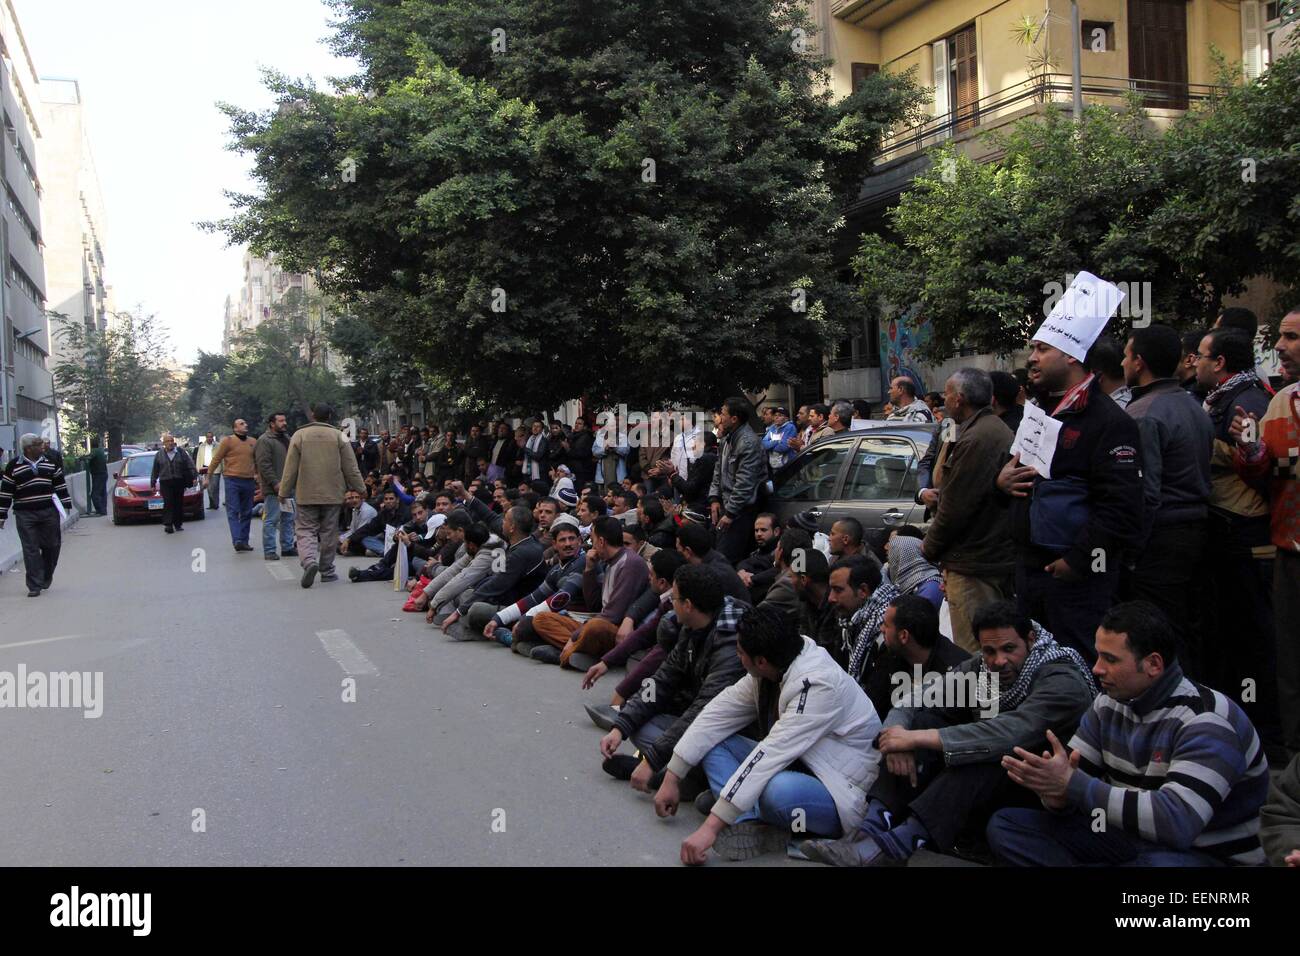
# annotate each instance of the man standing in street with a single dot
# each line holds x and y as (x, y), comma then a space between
(969, 535)
(173, 470)
(97, 467)
(28, 485)
(733, 494)
(269, 453)
(203, 462)
(319, 470)
(235, 456)
(904, 404)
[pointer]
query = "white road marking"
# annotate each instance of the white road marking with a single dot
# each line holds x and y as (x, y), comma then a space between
(279, 571)
(43, 640)
(346, 654)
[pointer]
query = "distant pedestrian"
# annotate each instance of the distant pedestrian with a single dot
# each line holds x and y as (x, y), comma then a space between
(203, 456)
(319, 470)
(97, 467)
(235, 457)
(28, 485)
(173, 472)
(269, 453)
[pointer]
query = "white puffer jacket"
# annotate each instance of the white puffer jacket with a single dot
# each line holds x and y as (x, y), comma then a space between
(826, 721)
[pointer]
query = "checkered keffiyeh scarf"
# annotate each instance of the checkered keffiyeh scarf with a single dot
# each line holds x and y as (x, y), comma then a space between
(1044, 651)
(865, 623)
(1241, 378)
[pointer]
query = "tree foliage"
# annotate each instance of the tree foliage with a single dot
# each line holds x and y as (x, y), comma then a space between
(1194, 213)
(640, 186)
(116, 380)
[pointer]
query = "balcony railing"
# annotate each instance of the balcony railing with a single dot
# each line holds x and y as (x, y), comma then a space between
(1055, 88)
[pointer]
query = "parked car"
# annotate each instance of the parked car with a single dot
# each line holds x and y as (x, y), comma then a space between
(131, 498)
(870, 475)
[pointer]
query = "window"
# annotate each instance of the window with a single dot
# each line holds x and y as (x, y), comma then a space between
(860, 71)
(1157, 36)
(18, 278)
(956, 80)
(816, 474)
(883, 469)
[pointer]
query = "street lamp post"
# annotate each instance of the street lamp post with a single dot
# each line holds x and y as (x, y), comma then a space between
(1076, 45)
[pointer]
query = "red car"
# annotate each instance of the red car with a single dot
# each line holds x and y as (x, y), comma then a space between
(131, 498)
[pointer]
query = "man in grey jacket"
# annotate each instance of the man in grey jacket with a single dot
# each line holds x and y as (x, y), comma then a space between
(737, 479)
(1177, 442)
(944, 740)
(811, 714)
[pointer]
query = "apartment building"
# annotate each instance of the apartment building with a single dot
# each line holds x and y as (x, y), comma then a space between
(75, 222)
(992, 63)
(27, 398)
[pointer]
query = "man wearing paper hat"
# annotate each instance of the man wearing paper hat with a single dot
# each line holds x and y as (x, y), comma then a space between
(1074, 479)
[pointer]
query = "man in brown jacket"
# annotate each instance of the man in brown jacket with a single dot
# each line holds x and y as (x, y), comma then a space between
(235, 456)
(970, 535)
(318, 471)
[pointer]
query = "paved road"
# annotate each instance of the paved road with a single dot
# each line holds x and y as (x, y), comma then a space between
(222, 692)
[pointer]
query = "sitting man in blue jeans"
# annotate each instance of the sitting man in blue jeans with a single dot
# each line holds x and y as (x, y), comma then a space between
(810, 771)
(1164, 772)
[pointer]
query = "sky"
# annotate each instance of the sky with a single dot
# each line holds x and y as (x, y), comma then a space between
(151, 73)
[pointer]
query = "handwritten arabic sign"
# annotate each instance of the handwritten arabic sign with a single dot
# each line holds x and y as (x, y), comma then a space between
(1036, 440)
(1079, 315)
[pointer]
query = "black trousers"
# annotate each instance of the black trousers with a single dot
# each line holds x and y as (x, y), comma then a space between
(41, 538)
(949, 800)
(99, 493)
(738, 540)
(173, 493)
(1163, 575)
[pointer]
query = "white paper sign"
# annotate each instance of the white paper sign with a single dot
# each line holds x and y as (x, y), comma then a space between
(1036, 440)
(400, 579)
(389, 533)
(1079, 315)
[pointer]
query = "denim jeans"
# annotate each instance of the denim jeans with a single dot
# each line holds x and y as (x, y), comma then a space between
(239, 507)
(1039, 838)
(374, 543)
(273, 517)
(782, 800)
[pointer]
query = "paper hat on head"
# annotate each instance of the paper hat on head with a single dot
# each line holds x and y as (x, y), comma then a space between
(1079, 315)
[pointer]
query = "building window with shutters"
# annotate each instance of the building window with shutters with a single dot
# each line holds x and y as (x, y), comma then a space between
(1157, 59)
(859, 73)
(1264, 37)
(956, 80)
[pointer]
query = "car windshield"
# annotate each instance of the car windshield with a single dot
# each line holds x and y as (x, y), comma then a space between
(141, 466)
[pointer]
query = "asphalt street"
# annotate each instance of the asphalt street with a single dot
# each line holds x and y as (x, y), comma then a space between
(225, 738)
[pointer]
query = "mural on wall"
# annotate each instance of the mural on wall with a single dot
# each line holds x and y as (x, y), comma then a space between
(901, 338)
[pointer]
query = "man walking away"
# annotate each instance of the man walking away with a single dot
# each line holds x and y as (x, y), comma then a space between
(319, 470)
(203, 456)
(28, 486)
(98, 469)
(174, 472)
(269, 453)
(235, 456)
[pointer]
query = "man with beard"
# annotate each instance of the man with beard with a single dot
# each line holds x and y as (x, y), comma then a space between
(911, 645)
(943, 763)
(860, 598)
(1071, 530)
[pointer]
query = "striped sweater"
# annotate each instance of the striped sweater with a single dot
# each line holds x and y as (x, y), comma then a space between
(1180, 766)
(24, 488)
(1276, 458)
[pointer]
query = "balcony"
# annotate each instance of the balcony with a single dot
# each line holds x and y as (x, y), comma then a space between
(902, 155)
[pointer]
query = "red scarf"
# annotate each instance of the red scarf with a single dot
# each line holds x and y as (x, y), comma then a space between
(1076, 399)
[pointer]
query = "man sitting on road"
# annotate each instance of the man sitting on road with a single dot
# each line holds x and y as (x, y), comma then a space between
(702, 663)
(811, 765)
(911, 646)
(358, 515)
(1175, 767)
(477, 552)
(695, 543)
(860, 597)
(369, 538)
(521, 571)
(943, 761)
(512, 626)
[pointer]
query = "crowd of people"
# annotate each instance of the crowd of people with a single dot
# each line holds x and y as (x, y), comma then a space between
(1117, 638)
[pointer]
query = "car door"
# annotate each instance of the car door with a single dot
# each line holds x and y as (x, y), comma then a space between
(812, 481)
(880, 482)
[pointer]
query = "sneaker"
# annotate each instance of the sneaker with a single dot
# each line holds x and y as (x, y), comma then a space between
(180, 528)
(271, 557)
(309, 574)
(744, 841)
(523, 647)
(168, 528)
(546, 654)
(621, 766)
(353, 574)
(290, 553)
(243, 547)
(327, 576)
(705, 801)
(581, 662)
(859, 849)
(34, 593)
(602, 716)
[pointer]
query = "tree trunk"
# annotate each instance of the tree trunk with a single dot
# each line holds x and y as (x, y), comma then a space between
(114, 443)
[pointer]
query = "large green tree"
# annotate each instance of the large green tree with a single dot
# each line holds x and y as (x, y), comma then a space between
(541, 199)
(115, 381)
